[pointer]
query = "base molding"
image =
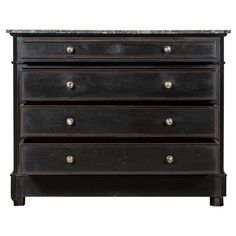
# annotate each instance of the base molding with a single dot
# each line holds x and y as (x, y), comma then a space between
(213, 186)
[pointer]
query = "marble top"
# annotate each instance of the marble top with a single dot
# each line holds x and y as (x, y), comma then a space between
(155, 32)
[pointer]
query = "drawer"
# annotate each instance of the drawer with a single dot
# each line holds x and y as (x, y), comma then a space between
(119, 158)
(71, 84)
(119, 48)
(118, 121)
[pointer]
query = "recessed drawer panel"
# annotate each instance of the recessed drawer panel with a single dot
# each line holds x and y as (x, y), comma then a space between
(119, 84)
(118, 121)
(119, 48)
(119, 158)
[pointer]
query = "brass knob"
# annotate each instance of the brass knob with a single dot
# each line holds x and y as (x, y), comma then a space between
(169, 121)
(70, 85)
(170, 159)
(168, 84)
(167, 49)
(70, 49)
(69, 159)
(70, 121)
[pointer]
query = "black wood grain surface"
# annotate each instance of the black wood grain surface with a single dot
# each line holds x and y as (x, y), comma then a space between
(120, 49)
(119, 158)
(119, 138)
(126, 84)
(118, 121)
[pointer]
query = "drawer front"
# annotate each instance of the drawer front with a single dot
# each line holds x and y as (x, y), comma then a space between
(119, 84)
(118, 48)
(118, 121)
(119, 158)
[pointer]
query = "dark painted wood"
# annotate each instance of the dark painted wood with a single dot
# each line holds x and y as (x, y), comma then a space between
(119, 105)
(118, 158)
(124, 185)
(118, 121)
(119, 84)
(17, 189)
(121, 49)
(216, 201)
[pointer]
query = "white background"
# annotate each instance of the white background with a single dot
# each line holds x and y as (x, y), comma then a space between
(115, 216)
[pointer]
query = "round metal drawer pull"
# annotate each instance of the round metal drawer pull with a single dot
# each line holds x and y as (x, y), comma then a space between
(70, 85)
(168, 84)
(69, 159)
(170, 159)
(169, 121)
(70, 121)
(167, 49)
(70, 49)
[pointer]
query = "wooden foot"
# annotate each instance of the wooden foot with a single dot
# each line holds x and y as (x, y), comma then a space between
(216, 201)
(19, 201)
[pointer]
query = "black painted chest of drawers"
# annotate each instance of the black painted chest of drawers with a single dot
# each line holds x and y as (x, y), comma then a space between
(118, 113)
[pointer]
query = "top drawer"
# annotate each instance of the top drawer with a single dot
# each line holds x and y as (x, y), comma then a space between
(118, 49)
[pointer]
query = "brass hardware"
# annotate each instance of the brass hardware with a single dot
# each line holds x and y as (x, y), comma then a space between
(70, 121)
(170, 159)
(70, 49)
(168, 84)
(167, 49)
(169, 121)
(69, 159)
(70, 85)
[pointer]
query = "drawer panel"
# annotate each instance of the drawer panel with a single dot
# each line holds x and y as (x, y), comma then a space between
(118, 121)
(119, 158)
(62, 84)
(119, 48)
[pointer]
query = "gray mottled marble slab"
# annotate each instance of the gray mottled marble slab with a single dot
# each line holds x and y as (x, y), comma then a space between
(124, 32)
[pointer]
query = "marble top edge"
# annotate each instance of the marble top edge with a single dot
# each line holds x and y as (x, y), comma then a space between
(56, 31)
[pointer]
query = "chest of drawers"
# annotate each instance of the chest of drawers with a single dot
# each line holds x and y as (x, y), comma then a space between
(118, 113)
